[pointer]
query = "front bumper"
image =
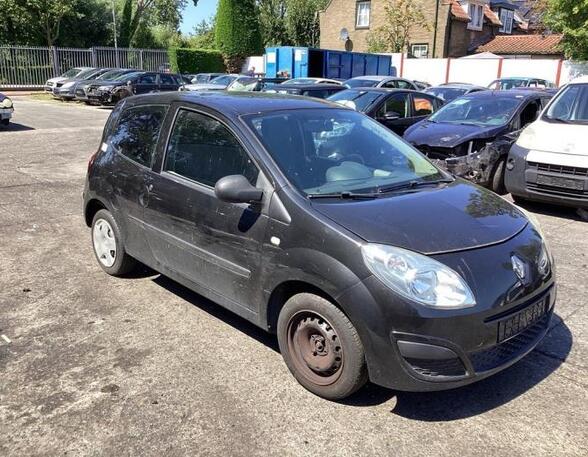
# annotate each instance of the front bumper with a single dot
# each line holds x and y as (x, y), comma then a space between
(100, 97)
(543, 182)
(414, 348)
(64, 93)
(6, 113)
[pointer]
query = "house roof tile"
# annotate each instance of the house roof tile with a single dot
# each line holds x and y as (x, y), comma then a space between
(522, 44)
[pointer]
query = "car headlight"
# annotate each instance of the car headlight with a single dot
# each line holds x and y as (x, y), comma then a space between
(6, 103)
(105, 88)
(418, 277)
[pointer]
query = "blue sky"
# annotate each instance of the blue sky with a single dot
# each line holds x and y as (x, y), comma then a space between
(194, 14)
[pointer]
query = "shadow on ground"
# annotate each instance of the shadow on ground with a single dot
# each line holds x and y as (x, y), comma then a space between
(14, 127)
(546, 209)
(439, 406)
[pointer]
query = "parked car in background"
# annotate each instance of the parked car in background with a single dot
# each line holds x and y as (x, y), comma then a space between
(371, 263)
(307, 90)
(71, 73)
(111, 92)
(471, 136)
(88, 72)
(518, 82)
(205, 78)
(115, 74)
(549, 161)
(421, 85)
(397, 109)
(66, 90)
(312, 81)
(219, 83)
(451, 91)
(387, 82)
(252, 84)
(6, 109)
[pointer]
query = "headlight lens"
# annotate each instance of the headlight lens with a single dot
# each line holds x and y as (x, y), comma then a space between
(418, 277)
(6, 103)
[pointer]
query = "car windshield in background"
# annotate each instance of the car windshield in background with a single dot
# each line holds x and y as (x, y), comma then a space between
(335, 151)
(361, 83)
(86, 73)
(300, 81)
(359, 100)
(243, 84)
(222, 80)
(482, 111)
(446, 93)
(125, 76)
(71, 73)
(111, 74)
(571, 106)
(506, 84)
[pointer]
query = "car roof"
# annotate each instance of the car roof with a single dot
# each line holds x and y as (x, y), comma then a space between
(512, 93)
(234, 103)
(311, 86)
(457, 86)
(374, 77)
(387, 90)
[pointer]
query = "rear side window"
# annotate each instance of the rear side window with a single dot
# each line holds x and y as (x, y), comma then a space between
(137, 132)
(167, 79)
(147, 79)
(397, 103)
(204, 150)
(423, 106)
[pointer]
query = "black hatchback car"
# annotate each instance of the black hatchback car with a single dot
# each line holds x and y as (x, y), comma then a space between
(307, 90)
(111, 92)
(397, 109)
(370, 262)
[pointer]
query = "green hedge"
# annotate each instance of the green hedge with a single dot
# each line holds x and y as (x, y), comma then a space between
(184, 60)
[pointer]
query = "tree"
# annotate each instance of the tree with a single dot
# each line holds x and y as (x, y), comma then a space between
(302, 21)
(48, 15)
(400, 16)
(237, 33)
(569, 17)
(203, 36)
(272, 19)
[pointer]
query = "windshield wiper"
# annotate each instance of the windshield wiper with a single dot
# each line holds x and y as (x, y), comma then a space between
(414, 184)
(345, 196)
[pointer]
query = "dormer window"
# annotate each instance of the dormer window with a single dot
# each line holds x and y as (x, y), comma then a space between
(507, 18)
(476, 13)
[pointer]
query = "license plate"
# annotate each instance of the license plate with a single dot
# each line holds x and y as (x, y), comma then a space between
(556, 181)
(522, 320)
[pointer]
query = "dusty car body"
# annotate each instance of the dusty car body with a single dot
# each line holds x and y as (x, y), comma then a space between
(6, 109)
(252, 84)
(111, 92)
(307, 90)
(450, 91)
(471, 136)
(113, 75)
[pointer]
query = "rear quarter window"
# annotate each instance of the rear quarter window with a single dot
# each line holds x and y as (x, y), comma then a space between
(137, 132)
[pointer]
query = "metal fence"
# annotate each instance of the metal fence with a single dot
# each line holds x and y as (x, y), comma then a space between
(30, 67)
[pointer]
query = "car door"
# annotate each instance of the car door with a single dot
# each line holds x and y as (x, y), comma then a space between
(145, 83)
(212, 243)
(132, 145)
(394, 112)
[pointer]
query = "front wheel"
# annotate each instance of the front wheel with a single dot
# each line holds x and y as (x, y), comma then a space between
(497, 180)
(108, 245)
(321, 347)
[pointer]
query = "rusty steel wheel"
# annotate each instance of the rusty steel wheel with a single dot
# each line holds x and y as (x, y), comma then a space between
(321, 347)
(315, 348)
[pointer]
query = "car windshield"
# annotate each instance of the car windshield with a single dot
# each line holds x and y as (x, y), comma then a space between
(224, 80)
(333, 151)
(110, 74)
(125, 76)
(506, 84)
(71, 73)
(360, 82)
(482, 111)
(570, 106)
(359, 100)
(86, 73)
(243, 84)
(446, 93)
(300, 81)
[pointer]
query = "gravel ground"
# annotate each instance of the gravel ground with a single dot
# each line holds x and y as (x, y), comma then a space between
(93, 365)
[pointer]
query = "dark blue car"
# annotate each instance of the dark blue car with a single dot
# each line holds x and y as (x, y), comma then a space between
(471, 135)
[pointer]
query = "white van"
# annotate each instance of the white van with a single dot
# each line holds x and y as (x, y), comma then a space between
(549, 161)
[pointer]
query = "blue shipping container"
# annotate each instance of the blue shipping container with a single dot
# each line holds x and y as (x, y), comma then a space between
(299, 62)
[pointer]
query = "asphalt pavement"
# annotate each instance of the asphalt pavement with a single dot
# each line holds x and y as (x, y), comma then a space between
(141, 366)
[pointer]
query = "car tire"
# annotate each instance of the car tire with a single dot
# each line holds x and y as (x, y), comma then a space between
(108, 245)
(321, 347)
(497, 180)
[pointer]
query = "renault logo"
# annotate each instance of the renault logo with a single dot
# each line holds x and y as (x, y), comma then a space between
(518, 266)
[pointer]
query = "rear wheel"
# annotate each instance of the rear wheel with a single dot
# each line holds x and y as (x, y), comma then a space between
(108, 245)
(321, 347)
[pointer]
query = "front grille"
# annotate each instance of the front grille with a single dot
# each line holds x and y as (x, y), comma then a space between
(502, 353)
(435, 368)
(558, 169)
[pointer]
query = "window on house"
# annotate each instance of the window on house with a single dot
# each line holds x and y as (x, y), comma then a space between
(507, 18)
(420, 50)
(476, 12)
(363, 14)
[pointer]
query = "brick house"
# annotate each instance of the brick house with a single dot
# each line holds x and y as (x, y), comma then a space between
(456, 27)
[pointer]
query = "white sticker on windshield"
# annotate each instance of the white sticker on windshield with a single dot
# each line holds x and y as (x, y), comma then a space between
(104, 147)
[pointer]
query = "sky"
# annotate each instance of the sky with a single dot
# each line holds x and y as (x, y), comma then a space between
(194, 14)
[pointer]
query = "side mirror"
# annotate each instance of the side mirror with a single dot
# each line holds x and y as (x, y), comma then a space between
(236, 189)
(390, 116)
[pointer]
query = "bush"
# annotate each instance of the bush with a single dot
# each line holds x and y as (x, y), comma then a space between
(184, 60)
